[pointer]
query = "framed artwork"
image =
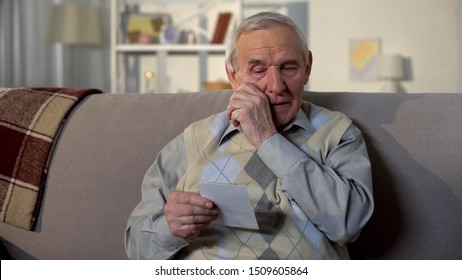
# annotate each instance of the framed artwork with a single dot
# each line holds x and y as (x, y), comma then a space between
(363, 59)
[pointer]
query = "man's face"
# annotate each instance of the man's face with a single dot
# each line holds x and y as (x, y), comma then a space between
(273, 60)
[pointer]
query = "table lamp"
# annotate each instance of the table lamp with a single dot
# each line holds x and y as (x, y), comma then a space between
(74, 24)
(391, 72)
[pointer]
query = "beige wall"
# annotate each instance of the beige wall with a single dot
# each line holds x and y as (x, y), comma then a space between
(427, 32)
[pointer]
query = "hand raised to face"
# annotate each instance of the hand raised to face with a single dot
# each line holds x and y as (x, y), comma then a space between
(250, 109)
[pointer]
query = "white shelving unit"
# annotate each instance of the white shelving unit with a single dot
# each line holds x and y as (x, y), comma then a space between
(125, 54)
(127, 59)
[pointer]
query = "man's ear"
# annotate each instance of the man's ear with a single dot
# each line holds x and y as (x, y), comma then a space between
(231, 76)
(308, 66)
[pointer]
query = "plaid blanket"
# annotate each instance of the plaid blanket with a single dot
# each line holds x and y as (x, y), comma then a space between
(30, 120)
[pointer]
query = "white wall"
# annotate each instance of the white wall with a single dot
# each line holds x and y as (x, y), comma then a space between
(428, 32)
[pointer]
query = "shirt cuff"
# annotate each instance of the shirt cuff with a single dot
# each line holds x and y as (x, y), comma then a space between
(164, 238)
(279, 154)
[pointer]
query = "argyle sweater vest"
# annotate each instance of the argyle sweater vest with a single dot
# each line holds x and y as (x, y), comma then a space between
(284, 231)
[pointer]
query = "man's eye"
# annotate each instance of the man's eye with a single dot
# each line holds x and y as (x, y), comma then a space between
(289, 68)
(258, 70)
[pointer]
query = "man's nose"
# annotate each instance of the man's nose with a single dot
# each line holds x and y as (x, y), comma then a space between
(275, 81)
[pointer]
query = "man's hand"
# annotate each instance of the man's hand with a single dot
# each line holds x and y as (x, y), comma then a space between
(188, 213)
(250, 108)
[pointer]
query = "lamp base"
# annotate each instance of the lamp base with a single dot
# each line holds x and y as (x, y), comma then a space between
(391, 86)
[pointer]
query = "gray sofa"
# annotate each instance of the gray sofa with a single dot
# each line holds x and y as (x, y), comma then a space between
(414, 141)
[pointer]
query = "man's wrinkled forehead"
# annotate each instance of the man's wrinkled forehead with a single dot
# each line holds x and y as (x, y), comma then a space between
(268, 48)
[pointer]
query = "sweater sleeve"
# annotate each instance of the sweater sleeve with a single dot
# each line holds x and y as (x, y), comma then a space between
(147, 235)
(335, 195)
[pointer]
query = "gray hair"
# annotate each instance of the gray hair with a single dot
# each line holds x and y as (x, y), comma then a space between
(264, 20)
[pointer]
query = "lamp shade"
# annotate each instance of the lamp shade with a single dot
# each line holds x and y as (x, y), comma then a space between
(391, 67)
(75, 24)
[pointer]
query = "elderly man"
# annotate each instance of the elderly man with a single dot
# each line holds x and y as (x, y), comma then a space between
(306, 168)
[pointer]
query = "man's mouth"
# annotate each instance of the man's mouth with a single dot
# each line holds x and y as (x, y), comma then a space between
(276, 105)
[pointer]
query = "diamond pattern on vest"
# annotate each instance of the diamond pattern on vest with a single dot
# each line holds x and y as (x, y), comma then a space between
(285, 232)
(221, 170)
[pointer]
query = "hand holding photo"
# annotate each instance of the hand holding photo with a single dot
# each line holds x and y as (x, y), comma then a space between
(234, 203)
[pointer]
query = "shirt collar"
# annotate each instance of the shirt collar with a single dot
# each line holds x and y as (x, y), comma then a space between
(301, 120)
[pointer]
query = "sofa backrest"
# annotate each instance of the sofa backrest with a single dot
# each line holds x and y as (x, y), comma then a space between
(111, 139)
(415, 145)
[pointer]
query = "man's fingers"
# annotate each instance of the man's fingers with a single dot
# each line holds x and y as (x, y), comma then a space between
(190, 198)
(188, 213)
(187, 231)
(185, 210)
(189, 207)
(202, 219)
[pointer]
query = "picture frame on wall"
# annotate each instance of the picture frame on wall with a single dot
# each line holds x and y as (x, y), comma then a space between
(364, 54)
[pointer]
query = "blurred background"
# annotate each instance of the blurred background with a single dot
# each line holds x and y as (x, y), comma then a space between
(418, 41)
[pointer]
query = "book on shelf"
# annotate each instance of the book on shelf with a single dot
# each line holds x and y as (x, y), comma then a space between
(221, 28)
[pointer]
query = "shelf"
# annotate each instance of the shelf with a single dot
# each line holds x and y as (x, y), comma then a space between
(180, 66)
(130, 60)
